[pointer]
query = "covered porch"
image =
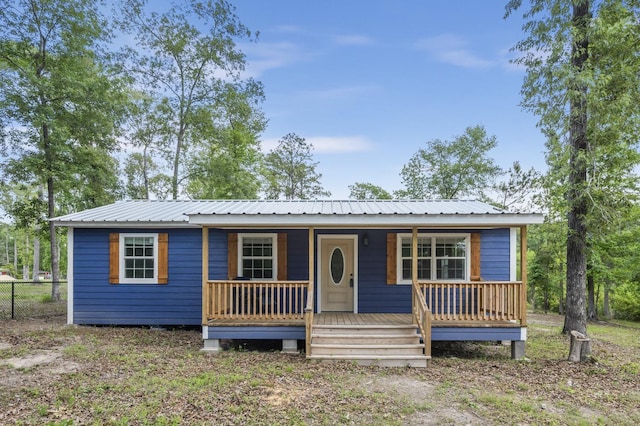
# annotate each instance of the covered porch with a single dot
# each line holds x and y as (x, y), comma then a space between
(440, 310)
(378, 310)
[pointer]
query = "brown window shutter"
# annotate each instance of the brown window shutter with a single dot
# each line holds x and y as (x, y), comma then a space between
(232, 255)
(282, 257)
(392, 264)
(163, 258)
(114, 258)
(475, 257)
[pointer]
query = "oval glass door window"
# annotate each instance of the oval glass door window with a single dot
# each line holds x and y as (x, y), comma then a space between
(337, 265)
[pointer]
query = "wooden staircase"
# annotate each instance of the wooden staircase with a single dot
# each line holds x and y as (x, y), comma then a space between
(396, 345)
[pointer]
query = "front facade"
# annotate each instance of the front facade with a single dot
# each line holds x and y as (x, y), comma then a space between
(278, 269)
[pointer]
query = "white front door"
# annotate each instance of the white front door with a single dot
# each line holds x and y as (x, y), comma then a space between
(337, 259)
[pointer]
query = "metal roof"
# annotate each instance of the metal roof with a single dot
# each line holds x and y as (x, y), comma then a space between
(298, 213)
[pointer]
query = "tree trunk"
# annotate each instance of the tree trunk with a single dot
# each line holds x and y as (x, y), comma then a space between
(25, 263)
(15, 254)
(591, 296)
(55, 256)
(36, 257)
(546, 300)
(575, 318)
(561, 304)
(606, 309)
(533, 296)
(55, 260)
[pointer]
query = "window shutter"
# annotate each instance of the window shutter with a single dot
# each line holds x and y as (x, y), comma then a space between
(282, 257)
(475, 257)
(163, 258)
(114, 258)
(232, 255)
(392, 276)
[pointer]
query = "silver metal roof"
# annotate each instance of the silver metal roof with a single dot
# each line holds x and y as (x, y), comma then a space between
(298, 213)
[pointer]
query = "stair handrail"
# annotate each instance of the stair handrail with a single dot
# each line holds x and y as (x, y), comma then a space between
(421, 316)
(308, 318)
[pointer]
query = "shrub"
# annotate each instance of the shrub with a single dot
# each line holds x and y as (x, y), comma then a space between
(626, 301)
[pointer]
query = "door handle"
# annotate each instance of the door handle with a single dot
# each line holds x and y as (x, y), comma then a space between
(351, 281)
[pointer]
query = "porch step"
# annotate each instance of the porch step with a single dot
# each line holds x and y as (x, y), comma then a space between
(383, 345)
(385, 330)
(366, 349)
(371, 339)
(415, 361)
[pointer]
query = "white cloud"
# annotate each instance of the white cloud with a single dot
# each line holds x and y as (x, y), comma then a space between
(266, 56)
(452, 49)
(353, 40)
(328, 144)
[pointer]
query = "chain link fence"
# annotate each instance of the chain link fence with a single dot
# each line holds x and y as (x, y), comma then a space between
(21, 299)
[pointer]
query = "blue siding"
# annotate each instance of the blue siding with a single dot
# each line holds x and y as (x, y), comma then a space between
(475, 333)
(495, 254)
(375, 295)
(218, 255)
(266, 333)
(98, 302)
(179, 302)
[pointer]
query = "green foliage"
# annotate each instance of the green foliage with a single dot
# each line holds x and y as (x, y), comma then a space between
(547, 259)
(626, 301)
(187, 61)
(582, 83)
(290, 171)
(367, 191)
(59, 104)
(517, 191)
(451, 169)
(225, 162)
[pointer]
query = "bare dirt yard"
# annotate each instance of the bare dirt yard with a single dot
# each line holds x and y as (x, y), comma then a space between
(55, 374)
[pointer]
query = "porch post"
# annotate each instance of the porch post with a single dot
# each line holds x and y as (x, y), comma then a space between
(523, 275)
(205, 273)
(310, 295)
(414, 256)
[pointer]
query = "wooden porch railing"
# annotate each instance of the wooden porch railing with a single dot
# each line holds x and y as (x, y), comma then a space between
(308, 319)
(256, 300)
(422, 316)
(475, 300)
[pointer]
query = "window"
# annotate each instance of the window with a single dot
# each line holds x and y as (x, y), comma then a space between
(440, 257)
(257, 256)
(139, 254)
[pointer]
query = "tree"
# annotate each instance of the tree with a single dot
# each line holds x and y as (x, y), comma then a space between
(186, 58)
(58, 103)
(582, 82)
(226, 166)
(517, 191)
(451, 169)
(143, 177)
(367, 191)
(290, 171)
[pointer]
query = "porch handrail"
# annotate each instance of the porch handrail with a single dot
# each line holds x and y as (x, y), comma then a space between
(474, 300)
(308, 318)
(255, 300)
(421, 316)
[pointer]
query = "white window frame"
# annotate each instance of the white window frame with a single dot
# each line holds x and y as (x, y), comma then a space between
(434, 236)
(274, 253)
(123, 278)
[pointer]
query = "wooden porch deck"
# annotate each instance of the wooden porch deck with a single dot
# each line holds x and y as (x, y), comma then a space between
(347, 318)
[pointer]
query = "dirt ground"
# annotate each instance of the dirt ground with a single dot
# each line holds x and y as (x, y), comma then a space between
(57, 374)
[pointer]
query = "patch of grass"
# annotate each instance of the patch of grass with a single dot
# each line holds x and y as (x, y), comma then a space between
(141, 376)
(77, 350)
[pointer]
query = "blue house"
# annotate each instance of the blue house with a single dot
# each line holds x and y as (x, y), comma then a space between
(372, 281)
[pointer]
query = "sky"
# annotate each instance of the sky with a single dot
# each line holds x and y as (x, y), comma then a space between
(368, 83)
